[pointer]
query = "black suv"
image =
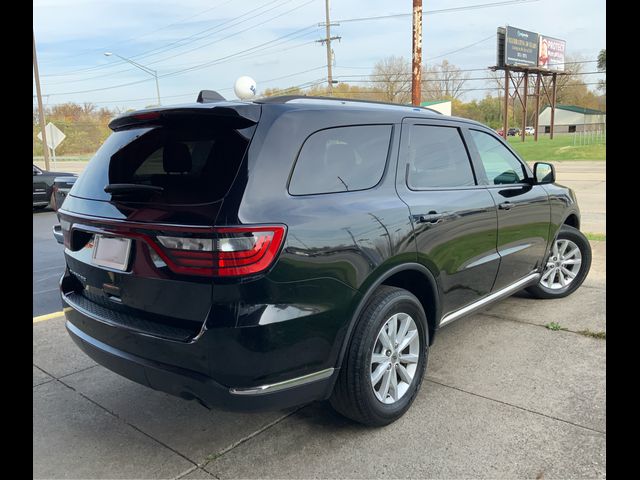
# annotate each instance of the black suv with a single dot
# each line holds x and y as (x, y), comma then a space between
(259, 255)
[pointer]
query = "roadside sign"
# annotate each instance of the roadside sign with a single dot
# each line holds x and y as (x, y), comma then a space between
(54, 136)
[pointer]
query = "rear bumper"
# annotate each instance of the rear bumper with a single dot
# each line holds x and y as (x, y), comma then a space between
(57, 234)
(190, 384)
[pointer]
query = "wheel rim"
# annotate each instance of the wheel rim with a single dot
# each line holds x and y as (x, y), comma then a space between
(562, 266)
(394, 358)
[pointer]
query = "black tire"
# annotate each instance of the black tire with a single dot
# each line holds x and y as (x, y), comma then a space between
(576, 236)
(353, 395)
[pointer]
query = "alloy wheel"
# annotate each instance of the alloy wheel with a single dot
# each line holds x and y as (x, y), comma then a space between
(562, 266)
(394, 358)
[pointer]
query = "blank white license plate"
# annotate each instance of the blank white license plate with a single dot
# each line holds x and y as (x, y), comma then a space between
(112, 252)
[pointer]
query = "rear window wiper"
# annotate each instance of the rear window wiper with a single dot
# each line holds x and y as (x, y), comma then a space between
(131, 188)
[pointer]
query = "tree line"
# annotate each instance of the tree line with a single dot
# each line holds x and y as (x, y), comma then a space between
(86, 126)
(390, 81)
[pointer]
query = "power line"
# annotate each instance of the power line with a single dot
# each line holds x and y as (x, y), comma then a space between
(433, 12)
(460, 70)
(218, 60)
(314, 83)
(462, 90)
(170, 46)
(493, 35)
(110, 47)
(295, 37)
(194, 94)
(233, 34)
(253, 49)
(434, 79)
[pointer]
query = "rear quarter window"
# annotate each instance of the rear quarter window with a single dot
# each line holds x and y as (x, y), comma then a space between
(341, 159)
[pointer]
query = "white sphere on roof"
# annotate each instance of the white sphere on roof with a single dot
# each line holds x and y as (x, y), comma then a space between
(245, 87)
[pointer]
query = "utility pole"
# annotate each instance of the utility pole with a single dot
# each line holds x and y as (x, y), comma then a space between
(45, 147)
(327, 41)
(416, 76)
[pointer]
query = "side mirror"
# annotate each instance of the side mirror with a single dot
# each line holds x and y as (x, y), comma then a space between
(544, 172)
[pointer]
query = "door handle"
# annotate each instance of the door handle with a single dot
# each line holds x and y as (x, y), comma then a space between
(506, 206)
(431, 217)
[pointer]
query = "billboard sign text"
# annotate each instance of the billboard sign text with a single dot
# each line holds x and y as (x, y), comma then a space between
(551, 53)
(521, 47)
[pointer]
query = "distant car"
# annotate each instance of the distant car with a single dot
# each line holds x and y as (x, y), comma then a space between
(61, 187)
(512, 132)
(43, 181)
(529, 131)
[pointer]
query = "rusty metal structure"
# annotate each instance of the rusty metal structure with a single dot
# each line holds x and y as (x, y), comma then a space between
(522, 78)
(416, 66)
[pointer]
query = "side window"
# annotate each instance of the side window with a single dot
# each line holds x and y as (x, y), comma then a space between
(341, 159)
(437, 157)
(501, 165)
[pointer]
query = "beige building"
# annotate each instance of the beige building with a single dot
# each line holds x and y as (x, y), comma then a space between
(569, 119)
(442, 106)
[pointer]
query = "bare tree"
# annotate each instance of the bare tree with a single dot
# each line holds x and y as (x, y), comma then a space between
(88, 108)
(392, 77)
(443, 81)
(602, 67)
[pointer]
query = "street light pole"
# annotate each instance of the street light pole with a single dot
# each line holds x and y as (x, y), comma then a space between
(150, 71)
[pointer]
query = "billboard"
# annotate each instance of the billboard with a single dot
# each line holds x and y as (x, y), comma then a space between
(521, 47)
(551, 53)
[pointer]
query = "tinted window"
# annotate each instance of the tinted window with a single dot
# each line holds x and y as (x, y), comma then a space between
(341, 159)
(437, 158)
(501, 165)
(192, 162)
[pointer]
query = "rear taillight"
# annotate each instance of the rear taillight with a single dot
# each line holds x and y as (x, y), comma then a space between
(226, 252)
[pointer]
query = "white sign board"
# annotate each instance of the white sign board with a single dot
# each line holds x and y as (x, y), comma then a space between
(54, 136)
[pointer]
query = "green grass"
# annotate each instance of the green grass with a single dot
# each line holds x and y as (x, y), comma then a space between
(598, 237)
(554, 326)
(561, 148)
(589, 333)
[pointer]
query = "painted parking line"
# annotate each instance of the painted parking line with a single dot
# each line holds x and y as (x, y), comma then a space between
(50, 316)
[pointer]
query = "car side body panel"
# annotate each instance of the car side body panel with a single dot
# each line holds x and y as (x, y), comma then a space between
(296, 318)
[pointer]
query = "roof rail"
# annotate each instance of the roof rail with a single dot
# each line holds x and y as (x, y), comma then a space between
(287, 98)
(209, 96)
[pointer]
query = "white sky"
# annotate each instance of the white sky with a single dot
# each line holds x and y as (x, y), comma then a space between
(71, 36)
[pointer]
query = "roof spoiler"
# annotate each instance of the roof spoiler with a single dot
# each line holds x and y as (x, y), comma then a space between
(238, 116)
(209, 96)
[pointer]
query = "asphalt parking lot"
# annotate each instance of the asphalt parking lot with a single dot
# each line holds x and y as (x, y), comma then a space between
(504, 397)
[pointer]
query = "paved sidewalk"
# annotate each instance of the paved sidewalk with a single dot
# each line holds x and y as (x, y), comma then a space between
(504, 397)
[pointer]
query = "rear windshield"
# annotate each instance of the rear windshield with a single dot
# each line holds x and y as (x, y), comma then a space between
(193, 162)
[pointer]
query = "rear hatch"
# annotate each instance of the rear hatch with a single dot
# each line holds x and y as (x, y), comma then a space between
(138, 224)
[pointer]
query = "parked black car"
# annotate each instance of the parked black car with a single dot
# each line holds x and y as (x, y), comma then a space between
(512, 132)
(259, 255)
(43, 186)
(61, 188)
